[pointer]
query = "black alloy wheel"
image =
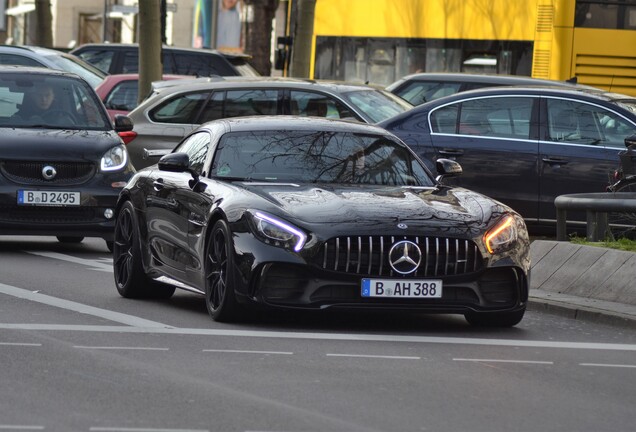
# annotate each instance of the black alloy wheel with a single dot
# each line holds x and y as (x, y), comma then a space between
(220, 298)
(130, 279)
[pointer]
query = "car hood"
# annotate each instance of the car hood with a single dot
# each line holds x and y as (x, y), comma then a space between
(39, 144)
(442, 208)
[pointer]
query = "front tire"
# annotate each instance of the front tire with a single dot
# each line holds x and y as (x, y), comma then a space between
(220, 296)
(495, 319)
(130, 278)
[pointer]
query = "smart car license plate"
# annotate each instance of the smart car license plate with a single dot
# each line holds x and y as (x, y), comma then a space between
(48, 198)
(426, 288)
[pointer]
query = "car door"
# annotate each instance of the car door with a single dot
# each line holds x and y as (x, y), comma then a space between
(578, 150)
(171, 206)
(495, 141)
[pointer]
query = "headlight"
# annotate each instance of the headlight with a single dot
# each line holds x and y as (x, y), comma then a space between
(278, 232)
(114, 159)
(502, 235)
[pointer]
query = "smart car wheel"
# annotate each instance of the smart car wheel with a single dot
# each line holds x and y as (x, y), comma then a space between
(220, 298)
(494, 319)
(130, 279)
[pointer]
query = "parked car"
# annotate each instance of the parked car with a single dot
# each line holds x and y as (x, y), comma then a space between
(50, 58)
(299, 213)
(425, 87)
(524, 146)
(114, 58)
(120, 93)
(62, 163)
(176, 108)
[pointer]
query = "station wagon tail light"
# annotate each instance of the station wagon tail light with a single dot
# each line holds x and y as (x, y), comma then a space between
(116, 158)
(502, 235)
(278, 232)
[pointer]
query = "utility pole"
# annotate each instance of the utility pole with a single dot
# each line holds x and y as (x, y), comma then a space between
(44, 18)
(150, 62)
(303, 39)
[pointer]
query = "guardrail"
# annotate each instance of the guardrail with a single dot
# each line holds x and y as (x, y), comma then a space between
(597, 206)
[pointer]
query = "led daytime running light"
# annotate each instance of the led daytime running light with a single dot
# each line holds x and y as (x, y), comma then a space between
(505, 224)
(301, 235)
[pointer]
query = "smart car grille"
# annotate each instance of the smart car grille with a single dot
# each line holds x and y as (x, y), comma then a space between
(369, 255)
(29, 172)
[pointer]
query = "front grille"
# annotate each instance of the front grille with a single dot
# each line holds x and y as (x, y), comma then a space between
(29, 172)
(48, 215)
(369, 255)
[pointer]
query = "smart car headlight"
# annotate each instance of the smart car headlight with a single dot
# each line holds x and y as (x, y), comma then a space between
(114, 159)
(279, 232)
(501, 236)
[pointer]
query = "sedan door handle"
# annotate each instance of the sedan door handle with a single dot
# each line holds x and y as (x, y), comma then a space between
(552, 161)
(449, 152)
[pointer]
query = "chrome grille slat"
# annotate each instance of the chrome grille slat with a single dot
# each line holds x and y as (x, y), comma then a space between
(443, 256)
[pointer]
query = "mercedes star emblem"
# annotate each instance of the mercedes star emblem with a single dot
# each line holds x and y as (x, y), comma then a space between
(48, 172)
(405, 256)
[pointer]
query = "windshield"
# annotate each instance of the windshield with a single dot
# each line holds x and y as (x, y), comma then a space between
(53, 102)
(317, 157)
(90, 73)
(377, 105)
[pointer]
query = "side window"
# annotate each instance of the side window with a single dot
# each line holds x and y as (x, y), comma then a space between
(196, 147)
(130, 62)
(11, 59)
(213, 110)
(123, 96)
(182, 109)
(239, 103)
(581, 123)
(444, 120)
(102, 59)
(419, 92)
(506, 117)
(316, 105)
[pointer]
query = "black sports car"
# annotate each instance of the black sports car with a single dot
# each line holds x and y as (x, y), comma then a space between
(62, 163)
(294, 212)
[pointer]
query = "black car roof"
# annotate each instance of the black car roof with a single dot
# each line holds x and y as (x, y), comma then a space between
(36, 70)
(122, 46)
(482, 78)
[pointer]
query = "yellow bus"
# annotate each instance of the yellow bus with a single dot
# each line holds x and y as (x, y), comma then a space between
(379, 41)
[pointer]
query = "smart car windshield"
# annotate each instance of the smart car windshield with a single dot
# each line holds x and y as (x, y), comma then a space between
(317, 157)
(49, 102)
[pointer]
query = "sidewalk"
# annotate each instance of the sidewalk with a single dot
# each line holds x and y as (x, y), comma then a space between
(583, 282)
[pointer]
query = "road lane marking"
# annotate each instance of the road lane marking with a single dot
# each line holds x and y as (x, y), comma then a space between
(608, 365)
(91, 264)
(20, 427)
(21, 344)
(249, 351)
(502, 361)
(127, 429)
(376, 356)
(79, 307)
(325, 336)
(121, 348)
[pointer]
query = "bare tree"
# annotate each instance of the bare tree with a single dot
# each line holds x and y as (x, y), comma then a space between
(150, 66)
(44, 23)
(258, 35)
(303, 39)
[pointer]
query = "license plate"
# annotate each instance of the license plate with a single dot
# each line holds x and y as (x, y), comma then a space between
(426, 288)
(48, 198)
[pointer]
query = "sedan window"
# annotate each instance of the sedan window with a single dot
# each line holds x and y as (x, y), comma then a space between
(497, 117)
(317, 105)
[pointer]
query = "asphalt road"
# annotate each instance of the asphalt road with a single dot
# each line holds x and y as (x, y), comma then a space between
(75, 356)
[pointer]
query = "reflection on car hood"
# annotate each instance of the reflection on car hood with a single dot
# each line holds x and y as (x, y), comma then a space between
(417, 207)
(38, 144)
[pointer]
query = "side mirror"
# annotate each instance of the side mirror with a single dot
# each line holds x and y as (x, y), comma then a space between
(447, 168)
(630, 141)
(176, 162)
(123, 123)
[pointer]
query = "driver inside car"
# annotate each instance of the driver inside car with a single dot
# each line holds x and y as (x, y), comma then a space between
(37, 102)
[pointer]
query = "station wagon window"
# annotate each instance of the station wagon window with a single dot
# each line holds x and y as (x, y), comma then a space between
(581, 123)
(182, 109)
(240, 103)
(317, 105)
(213, 109)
